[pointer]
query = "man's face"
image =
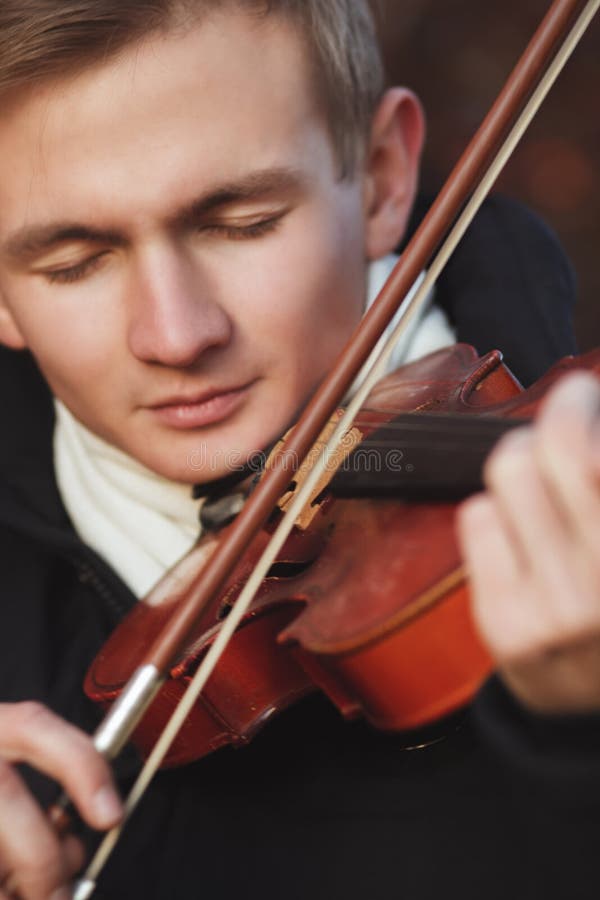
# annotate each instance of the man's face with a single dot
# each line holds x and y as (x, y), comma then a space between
(175, 246)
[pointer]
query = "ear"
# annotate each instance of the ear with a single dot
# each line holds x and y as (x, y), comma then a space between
(10, 333)
(392, 170)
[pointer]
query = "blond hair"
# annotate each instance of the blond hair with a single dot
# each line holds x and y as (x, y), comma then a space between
(44, 39)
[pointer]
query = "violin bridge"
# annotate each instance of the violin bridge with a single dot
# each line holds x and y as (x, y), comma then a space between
(335, 459)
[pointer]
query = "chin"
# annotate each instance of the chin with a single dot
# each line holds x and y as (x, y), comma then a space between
(174, 470)
(199, 458)
(187, 468)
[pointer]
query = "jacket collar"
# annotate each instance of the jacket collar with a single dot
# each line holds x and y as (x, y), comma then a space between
(27, 483)
(30, 501)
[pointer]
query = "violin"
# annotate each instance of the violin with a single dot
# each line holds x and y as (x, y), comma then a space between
(385, 633)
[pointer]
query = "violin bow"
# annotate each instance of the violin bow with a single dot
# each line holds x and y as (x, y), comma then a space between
(471, 180)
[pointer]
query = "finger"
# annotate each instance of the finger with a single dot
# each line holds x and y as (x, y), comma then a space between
(31, 733)
(74, 859)
(73, 852)
(29, 846)
(503, 616)
(568, 449)
(558, 583)
(490, 556)
(534, 524)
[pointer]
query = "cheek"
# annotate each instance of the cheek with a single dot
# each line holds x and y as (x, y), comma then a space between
(324, 303)
(304, 292)
(72, 342)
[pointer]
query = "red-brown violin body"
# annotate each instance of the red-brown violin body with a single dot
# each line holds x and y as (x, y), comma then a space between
(368, 603)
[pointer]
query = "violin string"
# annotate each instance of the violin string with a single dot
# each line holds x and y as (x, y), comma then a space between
(375, 369)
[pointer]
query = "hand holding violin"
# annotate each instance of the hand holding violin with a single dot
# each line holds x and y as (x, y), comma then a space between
(33, 858)
(532, 546)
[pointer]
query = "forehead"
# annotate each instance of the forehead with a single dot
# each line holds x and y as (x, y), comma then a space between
(205, 105)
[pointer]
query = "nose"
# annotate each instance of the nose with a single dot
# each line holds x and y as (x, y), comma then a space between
(174, 318)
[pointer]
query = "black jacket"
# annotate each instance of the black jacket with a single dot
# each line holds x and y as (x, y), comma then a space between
(508, 805)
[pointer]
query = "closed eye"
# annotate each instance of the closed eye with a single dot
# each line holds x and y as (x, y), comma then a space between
(242, 232)
(77, 272)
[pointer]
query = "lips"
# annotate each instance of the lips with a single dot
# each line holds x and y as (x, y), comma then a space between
(200, 410)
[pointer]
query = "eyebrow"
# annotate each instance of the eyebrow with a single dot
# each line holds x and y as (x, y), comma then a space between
(255, 186)
(28, 242)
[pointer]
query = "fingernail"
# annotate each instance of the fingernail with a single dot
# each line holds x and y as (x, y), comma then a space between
(62, 893)
(517, 439)
(579, 391)
(107, 806)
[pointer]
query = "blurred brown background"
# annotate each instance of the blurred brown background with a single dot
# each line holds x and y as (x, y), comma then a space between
(456, 54)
